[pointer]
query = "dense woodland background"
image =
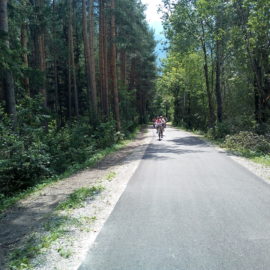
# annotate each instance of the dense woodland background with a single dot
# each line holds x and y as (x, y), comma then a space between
(78, 76)
(216, 77)
(75, 77)
(217, 74)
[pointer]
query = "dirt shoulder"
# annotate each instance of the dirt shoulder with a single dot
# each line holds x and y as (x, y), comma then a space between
(28, 215)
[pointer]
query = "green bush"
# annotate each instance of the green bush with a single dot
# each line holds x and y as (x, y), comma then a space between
(69, 145)
(106, 135)
(246, 140)
(22, 164)
(37, 148)
(219, 131)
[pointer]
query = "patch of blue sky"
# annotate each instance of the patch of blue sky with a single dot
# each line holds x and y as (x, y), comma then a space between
(154, 19)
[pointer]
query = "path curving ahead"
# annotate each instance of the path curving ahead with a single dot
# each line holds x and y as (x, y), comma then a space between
(187, 207)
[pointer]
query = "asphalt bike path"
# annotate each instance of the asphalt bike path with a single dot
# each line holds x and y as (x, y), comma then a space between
(187, 207)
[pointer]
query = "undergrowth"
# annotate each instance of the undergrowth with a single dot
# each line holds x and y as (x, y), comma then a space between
(8, 201)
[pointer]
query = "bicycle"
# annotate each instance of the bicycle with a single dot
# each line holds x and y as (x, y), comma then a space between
(160, 132)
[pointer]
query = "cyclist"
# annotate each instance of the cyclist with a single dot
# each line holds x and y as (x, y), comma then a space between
(154, 122)
(159, 125)
(163, 122)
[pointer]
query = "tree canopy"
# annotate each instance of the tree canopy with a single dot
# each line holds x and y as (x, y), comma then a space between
(217, 71)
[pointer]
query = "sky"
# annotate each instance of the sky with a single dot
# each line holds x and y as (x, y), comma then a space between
(154, 20)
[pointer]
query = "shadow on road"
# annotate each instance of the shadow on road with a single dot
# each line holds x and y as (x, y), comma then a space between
(165, 151)
(190, 140)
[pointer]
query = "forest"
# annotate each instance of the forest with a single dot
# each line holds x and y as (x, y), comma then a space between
(216, 76)
(76, 77)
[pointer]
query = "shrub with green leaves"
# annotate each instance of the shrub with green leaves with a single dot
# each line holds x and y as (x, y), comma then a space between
(37, 148)
(70, 144)
(246, 140)
(105, 134)
(24, 159)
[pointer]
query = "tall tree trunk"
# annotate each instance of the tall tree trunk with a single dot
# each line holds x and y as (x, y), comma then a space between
(86, 52)
(207, 83)
(218, 69)
(261, 86)
(189, 109)
(92, 58)
(113, 67)
(41, 53)
(106, 62)
(218, 82)
(103, 60)
(72, 69)
(24, 44)
(132, 74)
(257, 102)
(123, 66)
(56, 86)
(76, 97)
(69, 76)
(8, 80)
(55, 74)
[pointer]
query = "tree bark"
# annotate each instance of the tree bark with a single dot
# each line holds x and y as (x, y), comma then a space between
(55, 75)
(24, 44)
(86, 52)
(123, 66)
(103, 60)
(72, 69)
(92, 58)
(113, 67)
(218, 83)
(8, 80)
(218, 65)
(69, 78)
(132, 74)
(207, 83)
(40, 50)
(261, 85)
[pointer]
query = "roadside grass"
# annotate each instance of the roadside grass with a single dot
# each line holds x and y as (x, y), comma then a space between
(78, 198)
(64, 252)
(59, 225)
(110, 176)
(7, 202)
(257, 157)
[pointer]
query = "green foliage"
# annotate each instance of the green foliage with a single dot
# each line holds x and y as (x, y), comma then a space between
(110, 176)
(78, 197)
(106, 134)
(64, 252)
(214, 79)
(37, 149)
(70, 145)
(49, 139)
(245, 140)
(24, 159)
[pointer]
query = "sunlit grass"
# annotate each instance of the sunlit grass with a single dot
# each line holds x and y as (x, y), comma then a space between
(78, 197)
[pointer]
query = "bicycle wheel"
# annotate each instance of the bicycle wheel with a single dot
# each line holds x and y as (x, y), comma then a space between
(159, 134)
